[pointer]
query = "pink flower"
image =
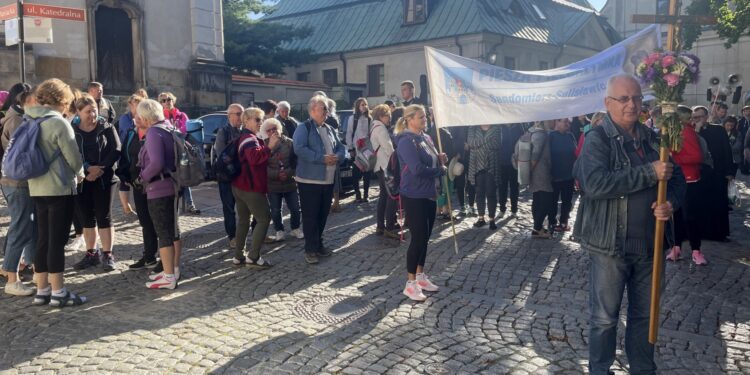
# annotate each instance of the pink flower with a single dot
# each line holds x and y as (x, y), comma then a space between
(651, 58)
(668, 61)
(672, 79)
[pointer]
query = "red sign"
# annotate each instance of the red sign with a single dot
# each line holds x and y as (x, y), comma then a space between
(45, 11)
(8, 12)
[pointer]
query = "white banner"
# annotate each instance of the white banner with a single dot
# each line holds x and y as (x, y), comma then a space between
(468, 92)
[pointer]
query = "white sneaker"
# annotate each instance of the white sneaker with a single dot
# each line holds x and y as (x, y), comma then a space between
(19, 289)
(279, 236)
(162, 283)
(160, 275)
(297, 233)
(425, 284)
(414, 292)
(76, 244)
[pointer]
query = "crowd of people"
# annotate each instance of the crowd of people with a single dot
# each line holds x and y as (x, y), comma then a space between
(282, 160)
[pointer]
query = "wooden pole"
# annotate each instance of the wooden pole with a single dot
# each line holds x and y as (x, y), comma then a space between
(447, 188)
(659, 230)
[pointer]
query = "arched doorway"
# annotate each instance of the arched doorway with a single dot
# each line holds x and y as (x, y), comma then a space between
(114, 50)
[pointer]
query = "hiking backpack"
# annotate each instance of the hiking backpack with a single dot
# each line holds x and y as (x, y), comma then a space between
(227, 165)
(190, 169)
(366, 157)
(23, 158)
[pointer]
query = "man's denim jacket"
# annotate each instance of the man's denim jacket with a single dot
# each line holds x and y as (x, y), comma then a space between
(606, 177)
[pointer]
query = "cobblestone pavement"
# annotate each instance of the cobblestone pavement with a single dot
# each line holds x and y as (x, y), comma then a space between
(507, 304)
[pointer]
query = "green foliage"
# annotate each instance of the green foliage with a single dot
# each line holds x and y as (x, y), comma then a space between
(733, 20)
(256, 46)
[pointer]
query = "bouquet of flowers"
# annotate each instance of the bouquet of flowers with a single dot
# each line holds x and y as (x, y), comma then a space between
(667, 73)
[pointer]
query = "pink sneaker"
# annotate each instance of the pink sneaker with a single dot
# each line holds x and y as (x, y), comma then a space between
(674, 254)
(160, 275)
(425, 284)
(163, 283)
(698, 258)
(414, 292)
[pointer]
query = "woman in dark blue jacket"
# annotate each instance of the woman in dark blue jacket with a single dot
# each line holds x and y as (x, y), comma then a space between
(421, 167)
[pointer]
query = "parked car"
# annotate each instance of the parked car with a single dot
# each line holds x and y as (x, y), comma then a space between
(347, 182)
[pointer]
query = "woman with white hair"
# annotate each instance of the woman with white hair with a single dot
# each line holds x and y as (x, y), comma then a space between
(157, 163)
(281, 185)
(289, 122)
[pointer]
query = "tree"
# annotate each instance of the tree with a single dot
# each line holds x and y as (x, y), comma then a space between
(733, 19)
(256, 45)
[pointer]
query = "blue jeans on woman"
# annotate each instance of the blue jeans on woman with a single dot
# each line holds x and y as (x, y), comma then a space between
(22, 229)
(609, 277)
(292, 203)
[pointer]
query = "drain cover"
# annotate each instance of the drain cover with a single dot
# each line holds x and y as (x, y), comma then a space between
(333, 309)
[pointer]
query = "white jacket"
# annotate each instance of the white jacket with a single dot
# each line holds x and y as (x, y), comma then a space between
(362, 131)
(381, 143)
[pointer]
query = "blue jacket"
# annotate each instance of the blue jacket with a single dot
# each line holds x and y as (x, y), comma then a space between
(418, 177)
(308, 146)
(607, 178)
(124, 124)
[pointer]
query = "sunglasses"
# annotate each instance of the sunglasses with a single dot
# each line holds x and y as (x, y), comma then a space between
(166, 100)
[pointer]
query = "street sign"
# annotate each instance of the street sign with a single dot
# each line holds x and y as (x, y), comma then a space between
(46, 11)
(35, 30)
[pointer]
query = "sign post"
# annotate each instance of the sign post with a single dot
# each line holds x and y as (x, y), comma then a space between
(21, 42)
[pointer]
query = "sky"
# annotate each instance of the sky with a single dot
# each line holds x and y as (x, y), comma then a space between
(598, 4)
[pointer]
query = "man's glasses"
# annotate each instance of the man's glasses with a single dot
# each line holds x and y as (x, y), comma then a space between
(626, 99)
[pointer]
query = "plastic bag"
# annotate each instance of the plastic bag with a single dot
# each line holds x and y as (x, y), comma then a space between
(733, 193)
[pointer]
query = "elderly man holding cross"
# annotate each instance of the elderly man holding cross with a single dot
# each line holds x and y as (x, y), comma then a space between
(618, 171)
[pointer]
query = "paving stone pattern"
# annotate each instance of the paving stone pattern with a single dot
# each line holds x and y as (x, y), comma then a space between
(507, 305)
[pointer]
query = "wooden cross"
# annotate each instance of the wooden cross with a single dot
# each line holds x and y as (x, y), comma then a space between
(675, 21)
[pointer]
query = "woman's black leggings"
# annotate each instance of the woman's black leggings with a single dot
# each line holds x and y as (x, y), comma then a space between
(542, 205)
(94, 204)
(486, 193)
(365, 177)
(688, 217)
(53, 216)
(464, 190)
(420, 217)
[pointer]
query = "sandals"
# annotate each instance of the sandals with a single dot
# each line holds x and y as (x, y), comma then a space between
(41, 300)
(69, 299)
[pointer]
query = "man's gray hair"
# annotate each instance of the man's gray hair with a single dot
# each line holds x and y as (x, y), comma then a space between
(615, 80)
(321, 93)
(317, 99)
(236, 105)
(284, 104)
(150, 111)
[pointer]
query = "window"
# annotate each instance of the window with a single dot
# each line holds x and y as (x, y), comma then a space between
(415, 11)
(331, 77)
(376, 80)
(543, 65)
(305, 77)
(510, 62)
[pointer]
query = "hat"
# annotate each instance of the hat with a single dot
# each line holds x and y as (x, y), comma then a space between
(455, 168)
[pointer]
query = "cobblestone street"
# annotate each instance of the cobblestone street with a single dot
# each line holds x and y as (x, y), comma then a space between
(507, 305)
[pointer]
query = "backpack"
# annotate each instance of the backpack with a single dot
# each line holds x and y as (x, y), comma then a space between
(124, 164)
(190, 169)
(392, 176)
(366, 156)
(522, 158)
(227, 166)
(23, 158)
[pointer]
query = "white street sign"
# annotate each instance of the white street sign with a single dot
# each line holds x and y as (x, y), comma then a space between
(35, 30)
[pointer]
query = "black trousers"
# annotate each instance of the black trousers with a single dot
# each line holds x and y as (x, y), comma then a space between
(563, 191)
(163, 212)
(542, 204)
(386, 215)
(486, 193)
(365, 177)
(508, 181)
(315, 201)
(688, 217)
(464, 190)
(420, 218)
(150, 241)
(54, 216)
(94, 204)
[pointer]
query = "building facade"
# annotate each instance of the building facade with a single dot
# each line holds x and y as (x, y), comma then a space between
(368, 47)
(716, 60)
(165, 45)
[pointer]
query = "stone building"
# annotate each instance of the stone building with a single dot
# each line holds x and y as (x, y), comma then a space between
(716, 60)
(367, 47)
(174, 45)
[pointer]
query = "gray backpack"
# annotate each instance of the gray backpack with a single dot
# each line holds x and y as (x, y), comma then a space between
(190, 166)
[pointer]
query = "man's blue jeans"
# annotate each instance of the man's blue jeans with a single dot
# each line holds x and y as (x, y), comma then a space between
(22, 229)
(292, 203)
(608, 278)
(227, 206)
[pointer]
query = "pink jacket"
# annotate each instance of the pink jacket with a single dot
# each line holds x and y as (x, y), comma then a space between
(177, 118)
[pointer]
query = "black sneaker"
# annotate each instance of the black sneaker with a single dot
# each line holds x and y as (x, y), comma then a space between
(493, 226)
(480, 223)
(143, 263)
(311, 258)
(159, 267)
(193, 211)
(108, 261)
(91, 259)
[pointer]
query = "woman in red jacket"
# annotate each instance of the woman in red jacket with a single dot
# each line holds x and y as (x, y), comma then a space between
(687, 219)
(250, 188)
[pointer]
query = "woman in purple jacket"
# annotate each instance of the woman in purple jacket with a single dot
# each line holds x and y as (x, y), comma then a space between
(157, 164)
(421, 168)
